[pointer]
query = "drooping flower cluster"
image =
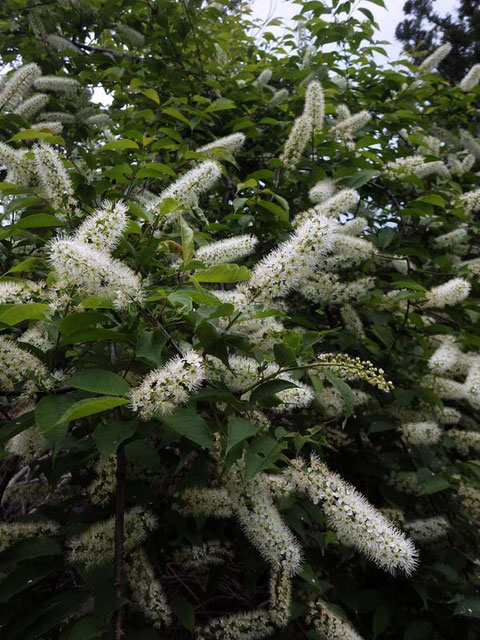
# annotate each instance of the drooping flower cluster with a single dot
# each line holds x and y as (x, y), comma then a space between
(346, 128)
(232, 143)
(12, 532)
(464, 441)
(448, 294)
(95, 546)
(322, 190)
(53, 177)
(104, 227)
(207, 554)
(354, 520)
(68, 86)
(468, 82)
(427, 529)
(146, 591)
(421, 433)
(414, 166)
(165, 389)
(229, 250)
(18, 85)
(435, 58)
(328, 624)
(19, 367)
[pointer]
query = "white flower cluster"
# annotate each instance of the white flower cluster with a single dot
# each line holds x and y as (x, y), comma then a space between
(228, 250)
(104, 227)
(421, 433)
(12, 532)
(332, 207)
(98, 120)
(427, 529)
(95, 272)
(51, 127)
(353, 518)
(29, 107)
(264, 78)
(448, 294)
(452, 239)
(208, 554)
(435, 58)
(350, 368)
(352, 321)
(21, 367)
(346, 128)
(244, 372)
(470, 143)
(449, 359)
(468, 82)
(213, 503)
(17, 85)
(308, 54)
(20, 169)
(248, 625)
(146, 591)
(28, 444)
(458, 166)
(232, 143)
(470, 201)
(414, 166)
(37, 336)
(220, 55)
(333, 404)
(260, 520)
(294, 260)
(20, 291)
(469, 498)
(328, 624)
(53, 178)
(61, 44)
(465, 440)
(430, 146)
(304, 126)
(404, 481)
(165, 389)
(279, 97)
(328, 288)
(187, 189)
(322, 190)
(59, 84)
(95, 546)
(104, 483)
(129, 35)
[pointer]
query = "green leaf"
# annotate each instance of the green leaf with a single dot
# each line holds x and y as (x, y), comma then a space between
(381, 618)
(212, 342)
(273, 208)
(119, 144)
(99, 381)
(143, 455)
(433, 198)
(29, 264)
(270, 388)
(469, 607)
(16, 313)
(90, 406)
(184, 612)
(360, 178)
(81, 320)
(24, 577)
(261, 454)
(221, 105)
(434, 485)
(239, 430)
(111, 433)
(190, 425)
(175, 113)
(38, 220)
(418, 630)
(186, 234)
(48, 412)
(152, 94)
(222, 273)
(342, 387)
(36, 134)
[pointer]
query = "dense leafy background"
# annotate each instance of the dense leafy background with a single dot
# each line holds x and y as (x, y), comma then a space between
(171, 96)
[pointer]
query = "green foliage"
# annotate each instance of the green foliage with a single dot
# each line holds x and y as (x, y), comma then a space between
(172, 92)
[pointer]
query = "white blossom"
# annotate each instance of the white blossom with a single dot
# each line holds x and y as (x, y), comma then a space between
(421, 433)
(32, 105)
(104, 227)
(435, 58)
(468, 82)
(17, 85)
(163, 390)
(297, 142)
(315, 105)
(229, 250)
(448, 294)
(328, 624)
(11, 532)
(146, 591)
(427, 529)
(129, 35)
(346, 128)
(232, 143)
(470, 143)
(58, 84)
(465, 440)
(470, 201)
(322, 190)
(61, 44)
(52, 175)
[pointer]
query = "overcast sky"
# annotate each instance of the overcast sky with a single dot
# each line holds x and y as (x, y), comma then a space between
(387, 19)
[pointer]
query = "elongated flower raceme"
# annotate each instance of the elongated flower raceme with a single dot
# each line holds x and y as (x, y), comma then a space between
(463, 441)
(328, 624)
(95, 546)
(354, 520)
(345, 129)
(352, 321)
(31, 106)
(460, 165)
(59, 116)
(248, 625)
(315, 105)
(37, 336)
(146, 591)
(280, 597)
(232, 143)
(211, 553)
(57, 84)
(95, 273)
(264, 78)
(129, 35)
(296, 142)
(17, 85)
(471, 80)
(20, 168)
(220, 55)
(328, 288)
(323, 190)
(470, 201)
(425, 433)
(50, 127)
(333, 206)
(448, 294)
(404, 481)
(427, 529)
(435, 58)
(261, 522)
(98, 120)
(61, 44)
(28, 444)
(213, 503)
(104, 227)
(452, 239)
(163, 390)
(12, 532)
(18, 366)
(188, 188)
(414, 166)
(470, 143)
(279, 97)
(20, 291)
(294, 260)
(53, 177)
(229, 250)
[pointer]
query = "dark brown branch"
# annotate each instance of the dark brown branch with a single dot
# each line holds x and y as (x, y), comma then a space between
(119, 534)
